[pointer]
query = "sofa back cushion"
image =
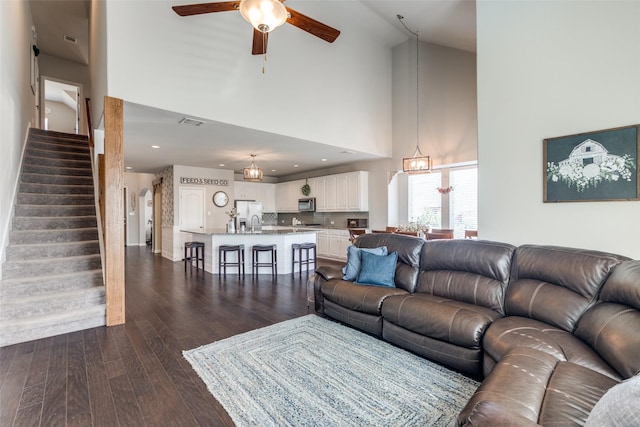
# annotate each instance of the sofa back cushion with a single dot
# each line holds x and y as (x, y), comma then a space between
(556, 285)
(408, 249)
(470, 271)
(612, 326)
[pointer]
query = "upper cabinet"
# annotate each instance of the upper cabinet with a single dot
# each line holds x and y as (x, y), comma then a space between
(261, 192)
(345, 192)
(287, 195)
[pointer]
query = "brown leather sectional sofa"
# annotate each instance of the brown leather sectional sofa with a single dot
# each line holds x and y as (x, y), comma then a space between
(548, 329)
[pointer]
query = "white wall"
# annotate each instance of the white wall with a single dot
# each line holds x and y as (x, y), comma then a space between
(61, 118)
(549, 69)
(448, 124)
(447, 98)
(338, 94)
(98, 59)
(17, 103)
(215, 217)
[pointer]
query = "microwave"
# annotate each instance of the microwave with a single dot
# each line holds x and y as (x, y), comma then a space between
(307, 205)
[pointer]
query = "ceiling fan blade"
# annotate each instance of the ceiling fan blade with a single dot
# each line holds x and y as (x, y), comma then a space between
(197, 9)
(312, 26)
(259, 42)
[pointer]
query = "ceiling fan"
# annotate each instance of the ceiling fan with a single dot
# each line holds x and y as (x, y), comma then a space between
(265, 16)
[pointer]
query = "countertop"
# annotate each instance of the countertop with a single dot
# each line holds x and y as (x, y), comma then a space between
(223, 232)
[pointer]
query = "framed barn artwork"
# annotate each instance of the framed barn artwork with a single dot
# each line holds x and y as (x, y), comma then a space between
(593, 166)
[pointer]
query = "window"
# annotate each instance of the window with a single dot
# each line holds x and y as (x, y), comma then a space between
(425, 203)
(459, 207)
(463, 200)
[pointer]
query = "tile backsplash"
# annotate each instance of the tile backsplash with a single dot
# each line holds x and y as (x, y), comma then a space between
(337, 219)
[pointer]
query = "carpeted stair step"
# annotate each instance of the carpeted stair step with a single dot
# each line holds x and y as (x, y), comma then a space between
(22, 237)
(51, 171)
(61, 223)
(56, 154)
(21, 330)
(39, 305)
(42, 267)
(54, 210)
(58, 163)
(52, 134)
(55, 199)
(64, 147)
(52, 250)
(29, 286)
(55, 188)
(43, 178)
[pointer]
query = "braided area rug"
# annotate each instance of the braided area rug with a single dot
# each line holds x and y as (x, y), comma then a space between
(311, 371)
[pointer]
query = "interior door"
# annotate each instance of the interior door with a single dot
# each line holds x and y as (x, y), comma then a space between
(191, 208)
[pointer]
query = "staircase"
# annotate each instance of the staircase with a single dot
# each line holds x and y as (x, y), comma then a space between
(52, 278)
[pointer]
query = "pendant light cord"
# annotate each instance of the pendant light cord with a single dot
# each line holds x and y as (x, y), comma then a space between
(417, 35)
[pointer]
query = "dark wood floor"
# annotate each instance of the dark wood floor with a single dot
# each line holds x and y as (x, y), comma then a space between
(134, 374)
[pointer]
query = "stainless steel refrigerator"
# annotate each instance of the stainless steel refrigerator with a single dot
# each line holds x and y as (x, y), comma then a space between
(249, 215)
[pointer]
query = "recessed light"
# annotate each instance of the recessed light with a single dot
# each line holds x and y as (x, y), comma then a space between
(273, 170)
(155, 146)
(296, 166)
(128, 168)
(323, 160)
(221, 164)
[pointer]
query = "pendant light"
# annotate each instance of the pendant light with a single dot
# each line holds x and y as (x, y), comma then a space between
(418, 162)
(253, 172)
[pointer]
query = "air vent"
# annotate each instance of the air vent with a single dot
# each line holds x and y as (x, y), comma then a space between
(70, 39)
(191, 122)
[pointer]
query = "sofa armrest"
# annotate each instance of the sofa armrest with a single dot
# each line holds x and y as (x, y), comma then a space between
(328, 272)
(323, 274)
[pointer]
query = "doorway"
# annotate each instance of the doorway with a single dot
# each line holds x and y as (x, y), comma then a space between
(60, 106)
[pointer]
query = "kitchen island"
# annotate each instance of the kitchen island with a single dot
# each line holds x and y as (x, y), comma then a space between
(283, 238)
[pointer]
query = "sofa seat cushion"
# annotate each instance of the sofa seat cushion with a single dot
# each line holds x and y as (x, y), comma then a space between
(533, 384)
(440, 318)
(361, 298)
(513, 331)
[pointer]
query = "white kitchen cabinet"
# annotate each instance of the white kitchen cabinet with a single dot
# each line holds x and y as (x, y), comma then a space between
(287, 195)
(358, 191)
(322, 237)
(345, 192)
(338, 243)
(268, 197)
(330, 193)
(341, 193)
(261, 192)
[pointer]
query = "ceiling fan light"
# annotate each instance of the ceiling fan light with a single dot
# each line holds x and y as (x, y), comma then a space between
(264, 15)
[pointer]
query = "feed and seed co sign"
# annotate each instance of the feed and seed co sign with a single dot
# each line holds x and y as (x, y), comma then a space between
(204, 181)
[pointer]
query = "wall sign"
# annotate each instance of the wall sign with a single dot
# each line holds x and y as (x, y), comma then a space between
(204, 181)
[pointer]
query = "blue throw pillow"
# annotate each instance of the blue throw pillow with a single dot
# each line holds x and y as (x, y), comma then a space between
(378, 270)
(351, 270)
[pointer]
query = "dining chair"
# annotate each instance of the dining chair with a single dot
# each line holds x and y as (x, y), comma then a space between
(355, 232)
(470, 234)
(446, 233)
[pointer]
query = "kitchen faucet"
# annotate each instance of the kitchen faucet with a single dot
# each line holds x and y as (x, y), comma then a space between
(256, 217)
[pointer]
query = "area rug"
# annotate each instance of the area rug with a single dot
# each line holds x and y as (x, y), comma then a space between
(312, 371)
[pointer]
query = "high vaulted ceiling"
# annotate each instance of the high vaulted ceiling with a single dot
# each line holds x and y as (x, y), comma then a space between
(449, 23)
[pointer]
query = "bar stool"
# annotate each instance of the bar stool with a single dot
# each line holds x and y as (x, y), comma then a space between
(256, 249)
(194, 254)
(307, 248)
(223, 250)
